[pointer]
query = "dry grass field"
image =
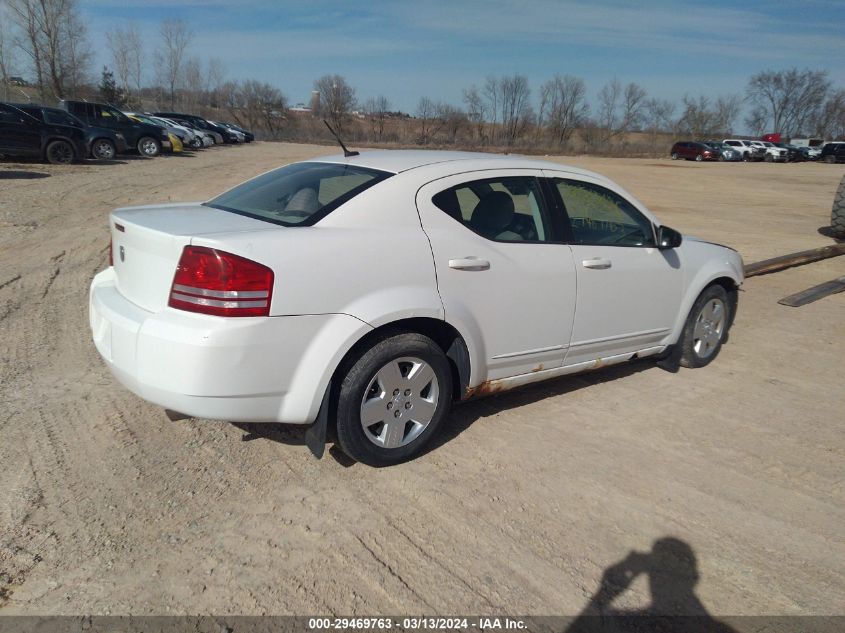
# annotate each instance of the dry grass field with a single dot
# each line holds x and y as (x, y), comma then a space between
(106, 506)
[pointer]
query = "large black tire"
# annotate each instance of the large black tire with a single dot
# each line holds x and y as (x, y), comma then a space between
(149, 147)
(674, 156)
(837, 213)
(59, 153)
(706, 328)
(103, 149)
(394, 412)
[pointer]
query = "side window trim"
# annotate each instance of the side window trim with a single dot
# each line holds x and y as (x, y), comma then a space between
(571, 234)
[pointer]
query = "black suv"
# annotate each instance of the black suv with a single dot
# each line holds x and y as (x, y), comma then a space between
(201, 124)
(833, 152)
(149, 140)
(102, 144)
(23, 135)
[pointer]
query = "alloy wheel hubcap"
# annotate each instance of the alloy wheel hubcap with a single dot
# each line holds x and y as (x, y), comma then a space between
(400, 402)
(709, 327)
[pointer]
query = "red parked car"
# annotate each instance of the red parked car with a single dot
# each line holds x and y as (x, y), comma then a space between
(690, 150)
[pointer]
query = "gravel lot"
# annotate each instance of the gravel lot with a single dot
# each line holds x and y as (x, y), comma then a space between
(106, 506)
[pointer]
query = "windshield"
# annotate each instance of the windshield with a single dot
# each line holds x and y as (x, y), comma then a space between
(298, 194)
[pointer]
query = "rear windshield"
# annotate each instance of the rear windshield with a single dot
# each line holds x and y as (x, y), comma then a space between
(299, 194)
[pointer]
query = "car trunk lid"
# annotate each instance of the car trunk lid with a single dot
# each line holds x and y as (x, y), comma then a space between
(147, 243)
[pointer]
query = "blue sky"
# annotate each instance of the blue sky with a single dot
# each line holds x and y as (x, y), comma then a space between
(436, 48)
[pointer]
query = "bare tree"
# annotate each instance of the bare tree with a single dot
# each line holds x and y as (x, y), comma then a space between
(194, 82)
(337, 98)
(491, 93)
(5, 54)
(263, 106)
(621, 110)
(425, 115)
(451, 121)
(170, 57)
(476, 110)
(52, 36)
(516, 107)
(563, 106)
(126, 51)
(830, 121)
(788, 99)
(376, 109)
(658, 115)
(215, 77)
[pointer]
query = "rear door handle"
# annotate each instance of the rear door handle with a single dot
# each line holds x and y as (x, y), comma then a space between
(597, 262)
(469, 263)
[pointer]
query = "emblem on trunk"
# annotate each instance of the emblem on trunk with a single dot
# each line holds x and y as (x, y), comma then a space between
(122, 254)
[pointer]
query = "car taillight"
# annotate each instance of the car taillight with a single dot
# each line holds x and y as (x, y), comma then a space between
(219, 283)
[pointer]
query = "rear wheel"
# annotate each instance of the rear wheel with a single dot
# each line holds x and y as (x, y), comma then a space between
(59, 153)
(705, 328)
(148, 146)
(769, 158)
(837, 213)
(392, 399)
(699, 157)
(830, 159)
(103, 149)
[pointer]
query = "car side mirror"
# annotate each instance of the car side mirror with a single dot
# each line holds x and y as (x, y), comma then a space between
(668, 238)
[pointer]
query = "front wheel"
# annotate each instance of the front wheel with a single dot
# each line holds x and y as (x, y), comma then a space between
(699, 157)
(392, 399)
(148, 146)
(59, 153)
(674, 156)
(706, 328)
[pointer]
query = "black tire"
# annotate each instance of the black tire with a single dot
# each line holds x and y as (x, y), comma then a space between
(674, 156)
(745, 157)
(830, 159)
(768, 158)
(59, 153)
(699, 157)
(837, 213)
(362, 378)
(103, 149)
(148, 146)
(700, 343)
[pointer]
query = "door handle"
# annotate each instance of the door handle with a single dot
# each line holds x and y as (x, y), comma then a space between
(469, 263)
(598, 263)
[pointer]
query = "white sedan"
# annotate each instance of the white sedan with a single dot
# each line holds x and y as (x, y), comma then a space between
(369, 292)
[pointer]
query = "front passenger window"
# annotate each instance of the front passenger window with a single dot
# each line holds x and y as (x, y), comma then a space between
(599, 216)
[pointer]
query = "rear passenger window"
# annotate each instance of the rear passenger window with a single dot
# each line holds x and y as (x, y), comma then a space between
(501, 209)
(599, 216)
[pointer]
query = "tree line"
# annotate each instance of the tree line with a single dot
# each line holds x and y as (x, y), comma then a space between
(47, 40)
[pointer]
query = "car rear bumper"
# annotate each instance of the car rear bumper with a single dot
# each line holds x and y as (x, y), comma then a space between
(261, 369)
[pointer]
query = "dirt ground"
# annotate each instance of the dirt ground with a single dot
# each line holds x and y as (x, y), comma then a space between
(108, 507)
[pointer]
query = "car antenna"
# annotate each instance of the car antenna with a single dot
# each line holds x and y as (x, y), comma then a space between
(346, 152)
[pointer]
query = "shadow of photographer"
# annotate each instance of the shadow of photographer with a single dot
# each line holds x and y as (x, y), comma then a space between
(672, 574)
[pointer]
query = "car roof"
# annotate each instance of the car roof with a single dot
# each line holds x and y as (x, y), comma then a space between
(397, 161)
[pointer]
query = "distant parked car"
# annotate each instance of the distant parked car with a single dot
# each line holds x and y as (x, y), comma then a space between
(793, 154)
(726, 152)
(227, 135)
(102, 143)
(747, 151)
(774, 153)
(23, 135)
(249, 137)
(147, 139)
(690, 150)
(833, 152)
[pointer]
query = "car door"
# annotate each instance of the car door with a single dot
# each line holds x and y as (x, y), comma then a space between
(629, 291)
(19, 133)
(504, 278)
